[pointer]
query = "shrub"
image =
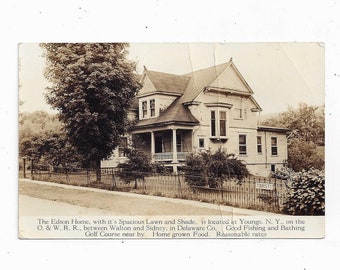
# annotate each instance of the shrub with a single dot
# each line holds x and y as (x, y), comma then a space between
(195, 170)
(306, 192)
(135, 168)
(213, 169)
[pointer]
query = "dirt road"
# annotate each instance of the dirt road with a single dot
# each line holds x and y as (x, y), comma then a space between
(92, 202)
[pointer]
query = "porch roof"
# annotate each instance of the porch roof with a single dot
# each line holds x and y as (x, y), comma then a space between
(273, 129)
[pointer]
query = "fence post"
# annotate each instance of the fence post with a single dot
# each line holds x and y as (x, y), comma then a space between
(32, 176)
(276, 202)
(87, 176)
(113, 179)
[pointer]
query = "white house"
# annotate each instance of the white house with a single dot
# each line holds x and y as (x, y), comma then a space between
(205, 109)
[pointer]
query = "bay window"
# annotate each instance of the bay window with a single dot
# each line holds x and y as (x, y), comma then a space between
(218, 123)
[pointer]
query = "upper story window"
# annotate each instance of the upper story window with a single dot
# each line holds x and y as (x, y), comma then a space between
(259, 144)
(223, 123)
(238, 113)
(144, 109)
(274, 146)
(147, 108)
(242, 144)
(218, 123)
(152, 108)
(213, 123)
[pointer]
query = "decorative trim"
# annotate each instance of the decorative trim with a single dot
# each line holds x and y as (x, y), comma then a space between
(219, 104)
(159, 93)
(193, 102)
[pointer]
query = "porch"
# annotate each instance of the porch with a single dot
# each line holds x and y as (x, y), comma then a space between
(169, 146)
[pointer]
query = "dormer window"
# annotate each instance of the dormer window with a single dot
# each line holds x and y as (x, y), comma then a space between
(144, 109)
(152, 108)
(148, 108)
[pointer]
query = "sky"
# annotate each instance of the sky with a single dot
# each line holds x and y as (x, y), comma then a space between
(280, 74)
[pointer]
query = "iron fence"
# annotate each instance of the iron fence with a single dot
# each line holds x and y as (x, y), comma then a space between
(259, 193)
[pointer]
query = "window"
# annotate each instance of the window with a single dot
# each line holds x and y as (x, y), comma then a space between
(259, 144)
(272, 167)
(274, 146)
(218, 124)
(152, 107)
(122, 146)
(144, 108)
(238, 113)
(213, 123)
(179, 142)
(242, 144)
(223, 122)
(201, 143)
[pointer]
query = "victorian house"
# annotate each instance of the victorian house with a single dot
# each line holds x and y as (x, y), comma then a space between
(203, 110)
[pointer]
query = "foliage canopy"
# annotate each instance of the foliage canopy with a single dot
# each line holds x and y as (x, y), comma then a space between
(92, 87)
(306, 139)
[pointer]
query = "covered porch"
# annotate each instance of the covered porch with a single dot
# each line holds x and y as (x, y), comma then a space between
(167, 145)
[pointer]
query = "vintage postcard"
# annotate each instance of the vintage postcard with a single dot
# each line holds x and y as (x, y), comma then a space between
(171, 140)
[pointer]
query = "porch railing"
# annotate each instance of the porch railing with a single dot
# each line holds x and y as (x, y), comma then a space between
(168, 156)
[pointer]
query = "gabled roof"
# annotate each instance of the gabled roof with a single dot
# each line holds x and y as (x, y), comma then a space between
(165, 82)
(202, 78)
(187, 87)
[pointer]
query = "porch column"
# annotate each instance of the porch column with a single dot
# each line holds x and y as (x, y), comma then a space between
(174, 146)
(152, 146)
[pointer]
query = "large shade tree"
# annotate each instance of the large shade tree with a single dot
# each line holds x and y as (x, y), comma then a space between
(306, 138)
(92, 87)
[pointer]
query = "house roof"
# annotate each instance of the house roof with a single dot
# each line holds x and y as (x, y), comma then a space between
(200, 79)
(176, 113)
(165, 82)
(273, 129)
(187, 87)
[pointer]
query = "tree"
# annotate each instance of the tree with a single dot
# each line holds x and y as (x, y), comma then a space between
(49, 148)
(93, 86)
(306, 137)
(304, 155)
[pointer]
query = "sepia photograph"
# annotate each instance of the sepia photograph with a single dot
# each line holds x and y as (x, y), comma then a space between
(171, 140)
(170, 134)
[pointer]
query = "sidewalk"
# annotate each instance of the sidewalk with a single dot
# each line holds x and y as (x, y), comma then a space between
(124, 203)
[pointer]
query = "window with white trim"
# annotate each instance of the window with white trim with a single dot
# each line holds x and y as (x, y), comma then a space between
(274, 146)
(144, 109)
(238, 113)
(122, 145)
(179, 142)
(259, 144)
(218, 123)
(242, 148)
(223, 123)
(201, 143)
(152, 107)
